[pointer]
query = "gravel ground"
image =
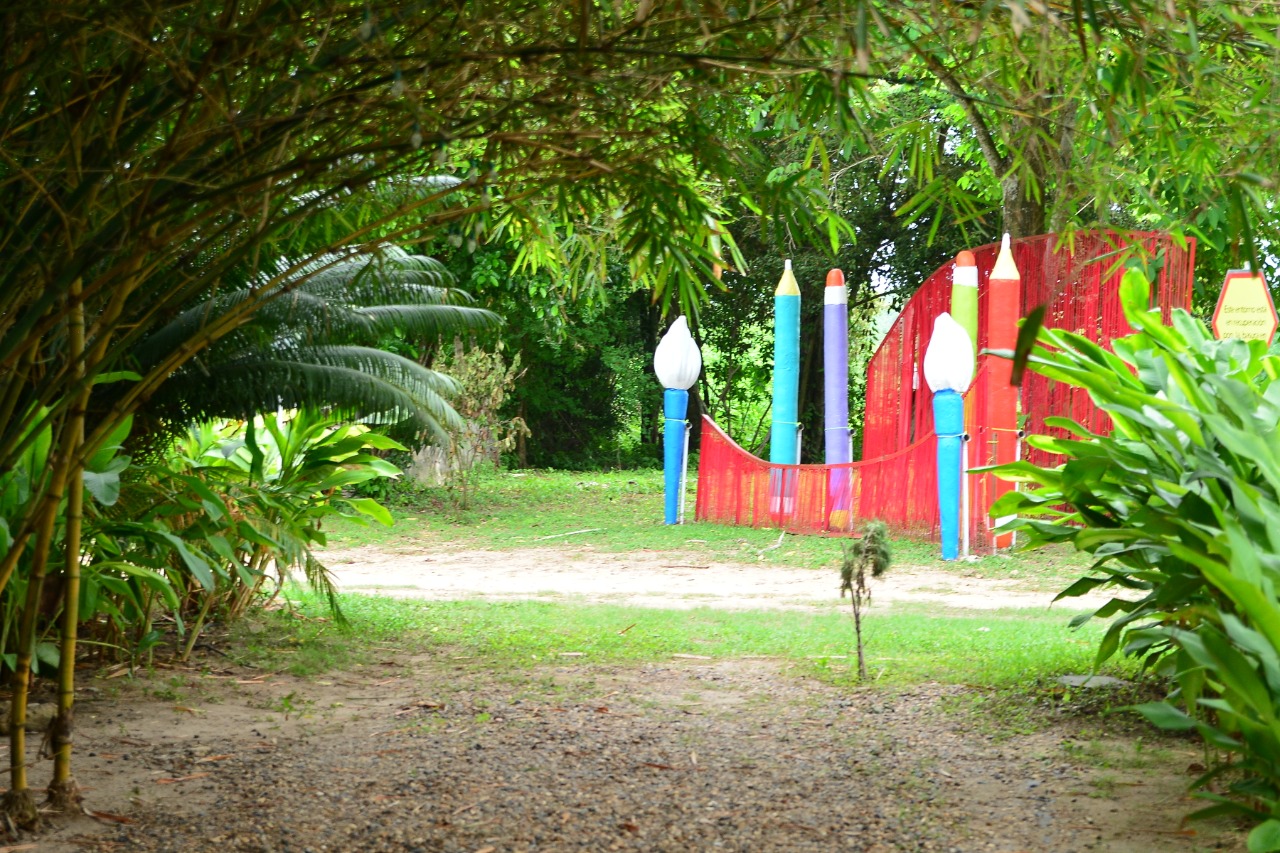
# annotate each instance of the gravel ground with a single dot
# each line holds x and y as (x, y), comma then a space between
(690, 755)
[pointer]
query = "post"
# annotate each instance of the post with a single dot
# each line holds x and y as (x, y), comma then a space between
(948, 424)
(964, 496)
(684, 474)
(675, 405)
(677, 363)
(948, 370)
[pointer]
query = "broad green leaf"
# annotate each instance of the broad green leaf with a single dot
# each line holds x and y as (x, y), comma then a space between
(104, 484)
(381, 442)
(110, 445)
(222, 547)
(1083, 586)
(152, 578)
(1265, 837)
(116, 376)
(1165, 716)
(47, 654)
(209, 499)
(196, 564)
(370, 508)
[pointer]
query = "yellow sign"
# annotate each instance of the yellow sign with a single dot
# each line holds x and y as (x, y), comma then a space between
(1245, 309)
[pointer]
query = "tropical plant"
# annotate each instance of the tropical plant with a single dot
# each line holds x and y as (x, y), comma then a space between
(870, 552)
(284, 473)
(1178, 504)
(319, 346)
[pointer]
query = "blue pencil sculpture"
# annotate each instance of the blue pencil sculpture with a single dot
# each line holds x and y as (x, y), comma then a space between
(784, 435)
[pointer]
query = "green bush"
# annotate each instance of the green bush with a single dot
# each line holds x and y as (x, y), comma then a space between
(1180, 506)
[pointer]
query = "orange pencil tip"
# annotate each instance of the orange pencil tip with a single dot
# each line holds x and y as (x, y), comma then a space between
(835, 278)
(966, 259)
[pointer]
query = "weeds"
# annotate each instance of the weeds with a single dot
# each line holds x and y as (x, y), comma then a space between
(869, 552)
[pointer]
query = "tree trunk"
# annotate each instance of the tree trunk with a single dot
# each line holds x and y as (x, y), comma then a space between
(1023, 215)
(522, 441)
(809, 402)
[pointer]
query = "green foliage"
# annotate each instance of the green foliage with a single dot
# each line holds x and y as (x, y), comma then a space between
(884, 262)
(486, 435)
(871, 551)
(19, 490)
(1232, 673)
(234, 509)
(586, 390)
(320, 347)
(1179, 507)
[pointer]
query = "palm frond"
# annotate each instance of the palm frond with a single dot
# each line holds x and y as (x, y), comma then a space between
(364, 383)
(427, 320)
(314, 345)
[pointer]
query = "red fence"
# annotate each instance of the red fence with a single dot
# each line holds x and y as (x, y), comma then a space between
(1082, 290)
(735, 487)
(896, 481)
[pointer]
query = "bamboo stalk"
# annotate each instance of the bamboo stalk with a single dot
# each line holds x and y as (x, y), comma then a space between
(63, 791)
(18, 804)
(17, 382)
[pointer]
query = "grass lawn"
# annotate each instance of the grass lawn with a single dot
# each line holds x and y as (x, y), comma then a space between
(999, 648)
(622, 511)
(1017, 654)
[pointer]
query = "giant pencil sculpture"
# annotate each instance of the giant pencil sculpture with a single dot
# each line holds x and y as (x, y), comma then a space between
(1004, 299)
(964, 310)
(783, 439)
(835, 373)
(964, 296)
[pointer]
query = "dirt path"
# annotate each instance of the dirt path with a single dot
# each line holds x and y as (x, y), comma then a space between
(653, 579)
(441, 753)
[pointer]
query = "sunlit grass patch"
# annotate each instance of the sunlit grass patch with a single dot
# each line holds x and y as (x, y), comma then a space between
(988, 648)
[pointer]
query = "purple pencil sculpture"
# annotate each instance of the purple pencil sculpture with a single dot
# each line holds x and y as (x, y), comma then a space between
(835, 373)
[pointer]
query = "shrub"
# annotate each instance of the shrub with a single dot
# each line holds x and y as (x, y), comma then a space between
(1180, 506)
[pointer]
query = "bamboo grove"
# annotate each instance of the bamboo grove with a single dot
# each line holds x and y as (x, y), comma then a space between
(158, 157)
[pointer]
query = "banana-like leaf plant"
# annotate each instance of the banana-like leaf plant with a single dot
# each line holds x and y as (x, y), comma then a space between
(1180, 506)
